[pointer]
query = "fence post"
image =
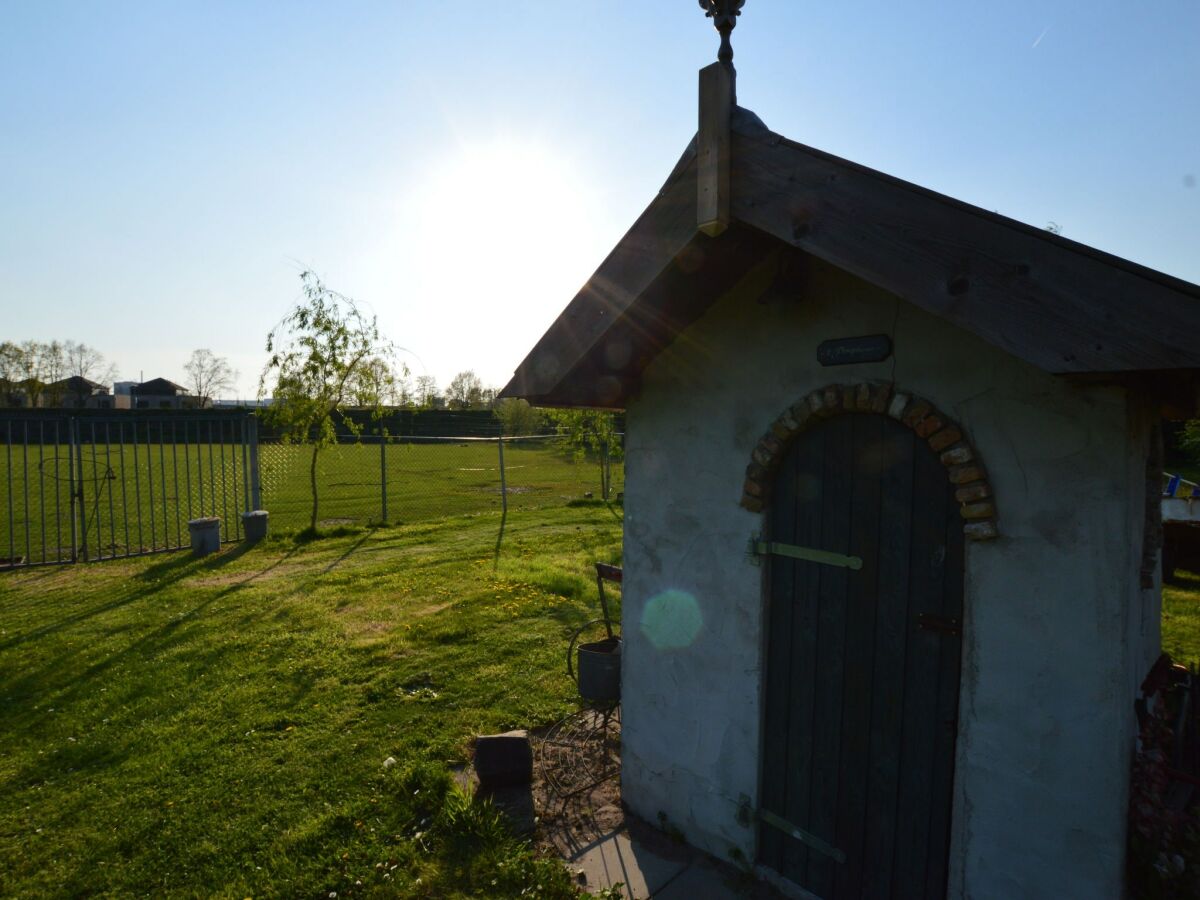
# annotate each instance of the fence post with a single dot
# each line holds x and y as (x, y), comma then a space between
(383, 472)
(78, 488)
(503, 480)
(12, 528)
(604, 476)
(245, 469)
(255, 480)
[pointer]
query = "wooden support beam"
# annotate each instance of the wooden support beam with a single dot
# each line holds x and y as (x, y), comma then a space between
(713, 148)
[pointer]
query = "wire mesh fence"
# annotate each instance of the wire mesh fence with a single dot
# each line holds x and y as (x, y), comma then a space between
(397, 480)
(81, 488)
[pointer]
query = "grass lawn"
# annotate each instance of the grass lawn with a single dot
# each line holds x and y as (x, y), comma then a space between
(188, 727)
(1181, 618)
(219, 727)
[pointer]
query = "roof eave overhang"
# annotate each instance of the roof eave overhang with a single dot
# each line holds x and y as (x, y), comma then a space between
(658, 237)
(1063, 307)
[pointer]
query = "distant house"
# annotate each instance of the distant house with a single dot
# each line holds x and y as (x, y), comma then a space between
(159, 393)
(78, 392)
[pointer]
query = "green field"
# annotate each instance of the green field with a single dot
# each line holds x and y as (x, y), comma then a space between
(138, 499)
(424, 480)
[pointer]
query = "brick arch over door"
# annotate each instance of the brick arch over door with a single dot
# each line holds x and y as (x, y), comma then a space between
(963, 466)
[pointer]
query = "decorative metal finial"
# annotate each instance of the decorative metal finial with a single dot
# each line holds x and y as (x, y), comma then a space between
(724, 14)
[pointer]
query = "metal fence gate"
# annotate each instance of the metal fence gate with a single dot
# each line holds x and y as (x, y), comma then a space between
(81, 488)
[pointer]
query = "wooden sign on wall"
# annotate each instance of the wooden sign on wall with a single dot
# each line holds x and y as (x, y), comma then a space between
(850, 351)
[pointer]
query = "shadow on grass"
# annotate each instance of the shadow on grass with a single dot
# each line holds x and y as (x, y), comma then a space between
(350, 551)
(156, 577)
(83, 687)
(31, 683)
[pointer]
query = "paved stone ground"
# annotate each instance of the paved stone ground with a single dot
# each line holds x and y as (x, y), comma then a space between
(573, 810)
(648, 864)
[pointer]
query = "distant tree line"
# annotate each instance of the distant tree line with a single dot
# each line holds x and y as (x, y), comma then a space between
(57, 373)
(33, 373)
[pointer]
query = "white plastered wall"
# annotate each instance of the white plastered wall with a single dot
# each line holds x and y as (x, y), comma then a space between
(1057, 630)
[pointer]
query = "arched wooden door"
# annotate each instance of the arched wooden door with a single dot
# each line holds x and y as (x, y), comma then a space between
(862, 666)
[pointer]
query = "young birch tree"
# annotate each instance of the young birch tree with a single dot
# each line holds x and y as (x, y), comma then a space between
(325, 355)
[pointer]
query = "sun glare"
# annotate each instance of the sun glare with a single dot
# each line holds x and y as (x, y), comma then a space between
(505, 233)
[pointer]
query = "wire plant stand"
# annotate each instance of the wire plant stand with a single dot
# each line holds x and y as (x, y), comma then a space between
(583, 750)
(580, 752)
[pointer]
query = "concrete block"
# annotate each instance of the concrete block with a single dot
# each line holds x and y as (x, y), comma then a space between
(503, 759)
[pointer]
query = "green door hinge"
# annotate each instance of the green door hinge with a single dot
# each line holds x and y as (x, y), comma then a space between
(804, 837)
(759, 548)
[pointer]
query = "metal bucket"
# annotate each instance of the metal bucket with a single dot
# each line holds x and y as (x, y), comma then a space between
(206, 535)
(254, 525)
(600, 671)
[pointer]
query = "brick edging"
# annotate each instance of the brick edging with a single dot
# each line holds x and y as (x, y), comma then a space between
(944, 437)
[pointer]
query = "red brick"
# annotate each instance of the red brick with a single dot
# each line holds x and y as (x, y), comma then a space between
(881, 397)
(916, 413)
(767, 451)
(801, 412)
(957, 456)
(864, 397)
(781, 430)
(928, 426)
(978, 511)
(831, 402)
(940, 440)
(966, 474)
(981, 531)
(752, 503)
(980, 490)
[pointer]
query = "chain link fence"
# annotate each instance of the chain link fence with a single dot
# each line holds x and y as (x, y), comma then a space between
(398, 480)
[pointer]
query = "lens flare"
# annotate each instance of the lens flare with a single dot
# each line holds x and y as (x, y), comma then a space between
(672, 620)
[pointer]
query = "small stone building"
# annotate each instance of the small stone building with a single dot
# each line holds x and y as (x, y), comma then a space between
(891, 533)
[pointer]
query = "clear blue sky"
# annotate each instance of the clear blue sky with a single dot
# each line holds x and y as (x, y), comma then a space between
(168, 169)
